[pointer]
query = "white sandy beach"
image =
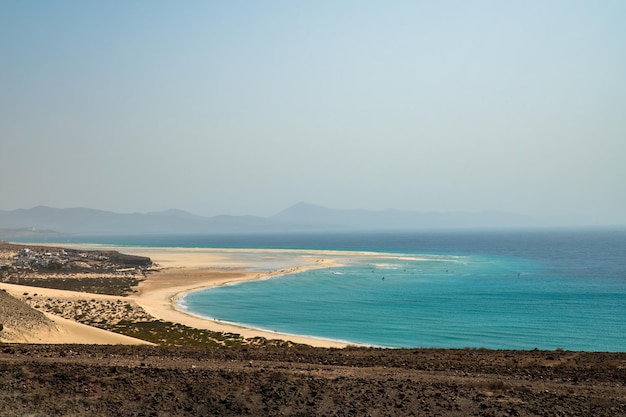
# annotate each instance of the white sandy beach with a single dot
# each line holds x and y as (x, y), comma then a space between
(181, 270)
(186, 270)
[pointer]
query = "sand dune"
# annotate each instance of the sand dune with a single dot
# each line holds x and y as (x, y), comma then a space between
(24, 324)
(69, 331)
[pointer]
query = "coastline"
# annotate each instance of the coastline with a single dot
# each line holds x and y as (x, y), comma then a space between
(159, 293)
(161, 301)
(179, 271)
(311, 381)
(183, 270)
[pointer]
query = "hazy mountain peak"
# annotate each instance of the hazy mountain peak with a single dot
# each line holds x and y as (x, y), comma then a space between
(302, 216)
(174, 213)
(300, 207)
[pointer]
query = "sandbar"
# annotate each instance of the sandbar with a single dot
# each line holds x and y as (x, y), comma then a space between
(184, 270)
(178, 271)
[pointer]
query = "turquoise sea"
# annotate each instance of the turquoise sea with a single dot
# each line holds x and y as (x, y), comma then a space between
(543, 289)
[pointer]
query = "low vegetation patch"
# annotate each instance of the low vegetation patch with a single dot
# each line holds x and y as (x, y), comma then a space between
(120, 286)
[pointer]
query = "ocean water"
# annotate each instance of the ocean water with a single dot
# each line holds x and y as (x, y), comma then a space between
(543, 289)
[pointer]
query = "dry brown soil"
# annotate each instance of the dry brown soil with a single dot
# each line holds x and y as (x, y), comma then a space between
(73, 380)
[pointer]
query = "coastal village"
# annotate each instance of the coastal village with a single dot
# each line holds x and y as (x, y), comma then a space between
(27, 257)
(41, 259)
(93, 271)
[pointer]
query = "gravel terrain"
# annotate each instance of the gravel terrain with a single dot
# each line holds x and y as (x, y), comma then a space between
(73, 380)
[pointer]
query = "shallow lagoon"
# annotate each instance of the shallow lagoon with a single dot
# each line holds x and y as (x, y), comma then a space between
(444, 301)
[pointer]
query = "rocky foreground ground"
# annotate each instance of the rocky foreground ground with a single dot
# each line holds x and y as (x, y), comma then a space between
(78, 380)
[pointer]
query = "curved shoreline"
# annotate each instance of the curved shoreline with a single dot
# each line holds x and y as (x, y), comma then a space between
(179, 271)
(159, 292)
(266, 333)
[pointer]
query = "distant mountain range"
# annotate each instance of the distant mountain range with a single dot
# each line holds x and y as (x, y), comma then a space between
(301, 217)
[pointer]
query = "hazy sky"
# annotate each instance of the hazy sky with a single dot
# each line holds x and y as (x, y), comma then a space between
(240, 107)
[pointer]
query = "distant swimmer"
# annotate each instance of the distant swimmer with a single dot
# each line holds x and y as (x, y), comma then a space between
(383, 278)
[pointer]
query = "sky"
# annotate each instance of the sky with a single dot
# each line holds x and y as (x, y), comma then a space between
(245, 107)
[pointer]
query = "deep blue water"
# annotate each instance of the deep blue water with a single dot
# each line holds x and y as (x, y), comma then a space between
(542, 289)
